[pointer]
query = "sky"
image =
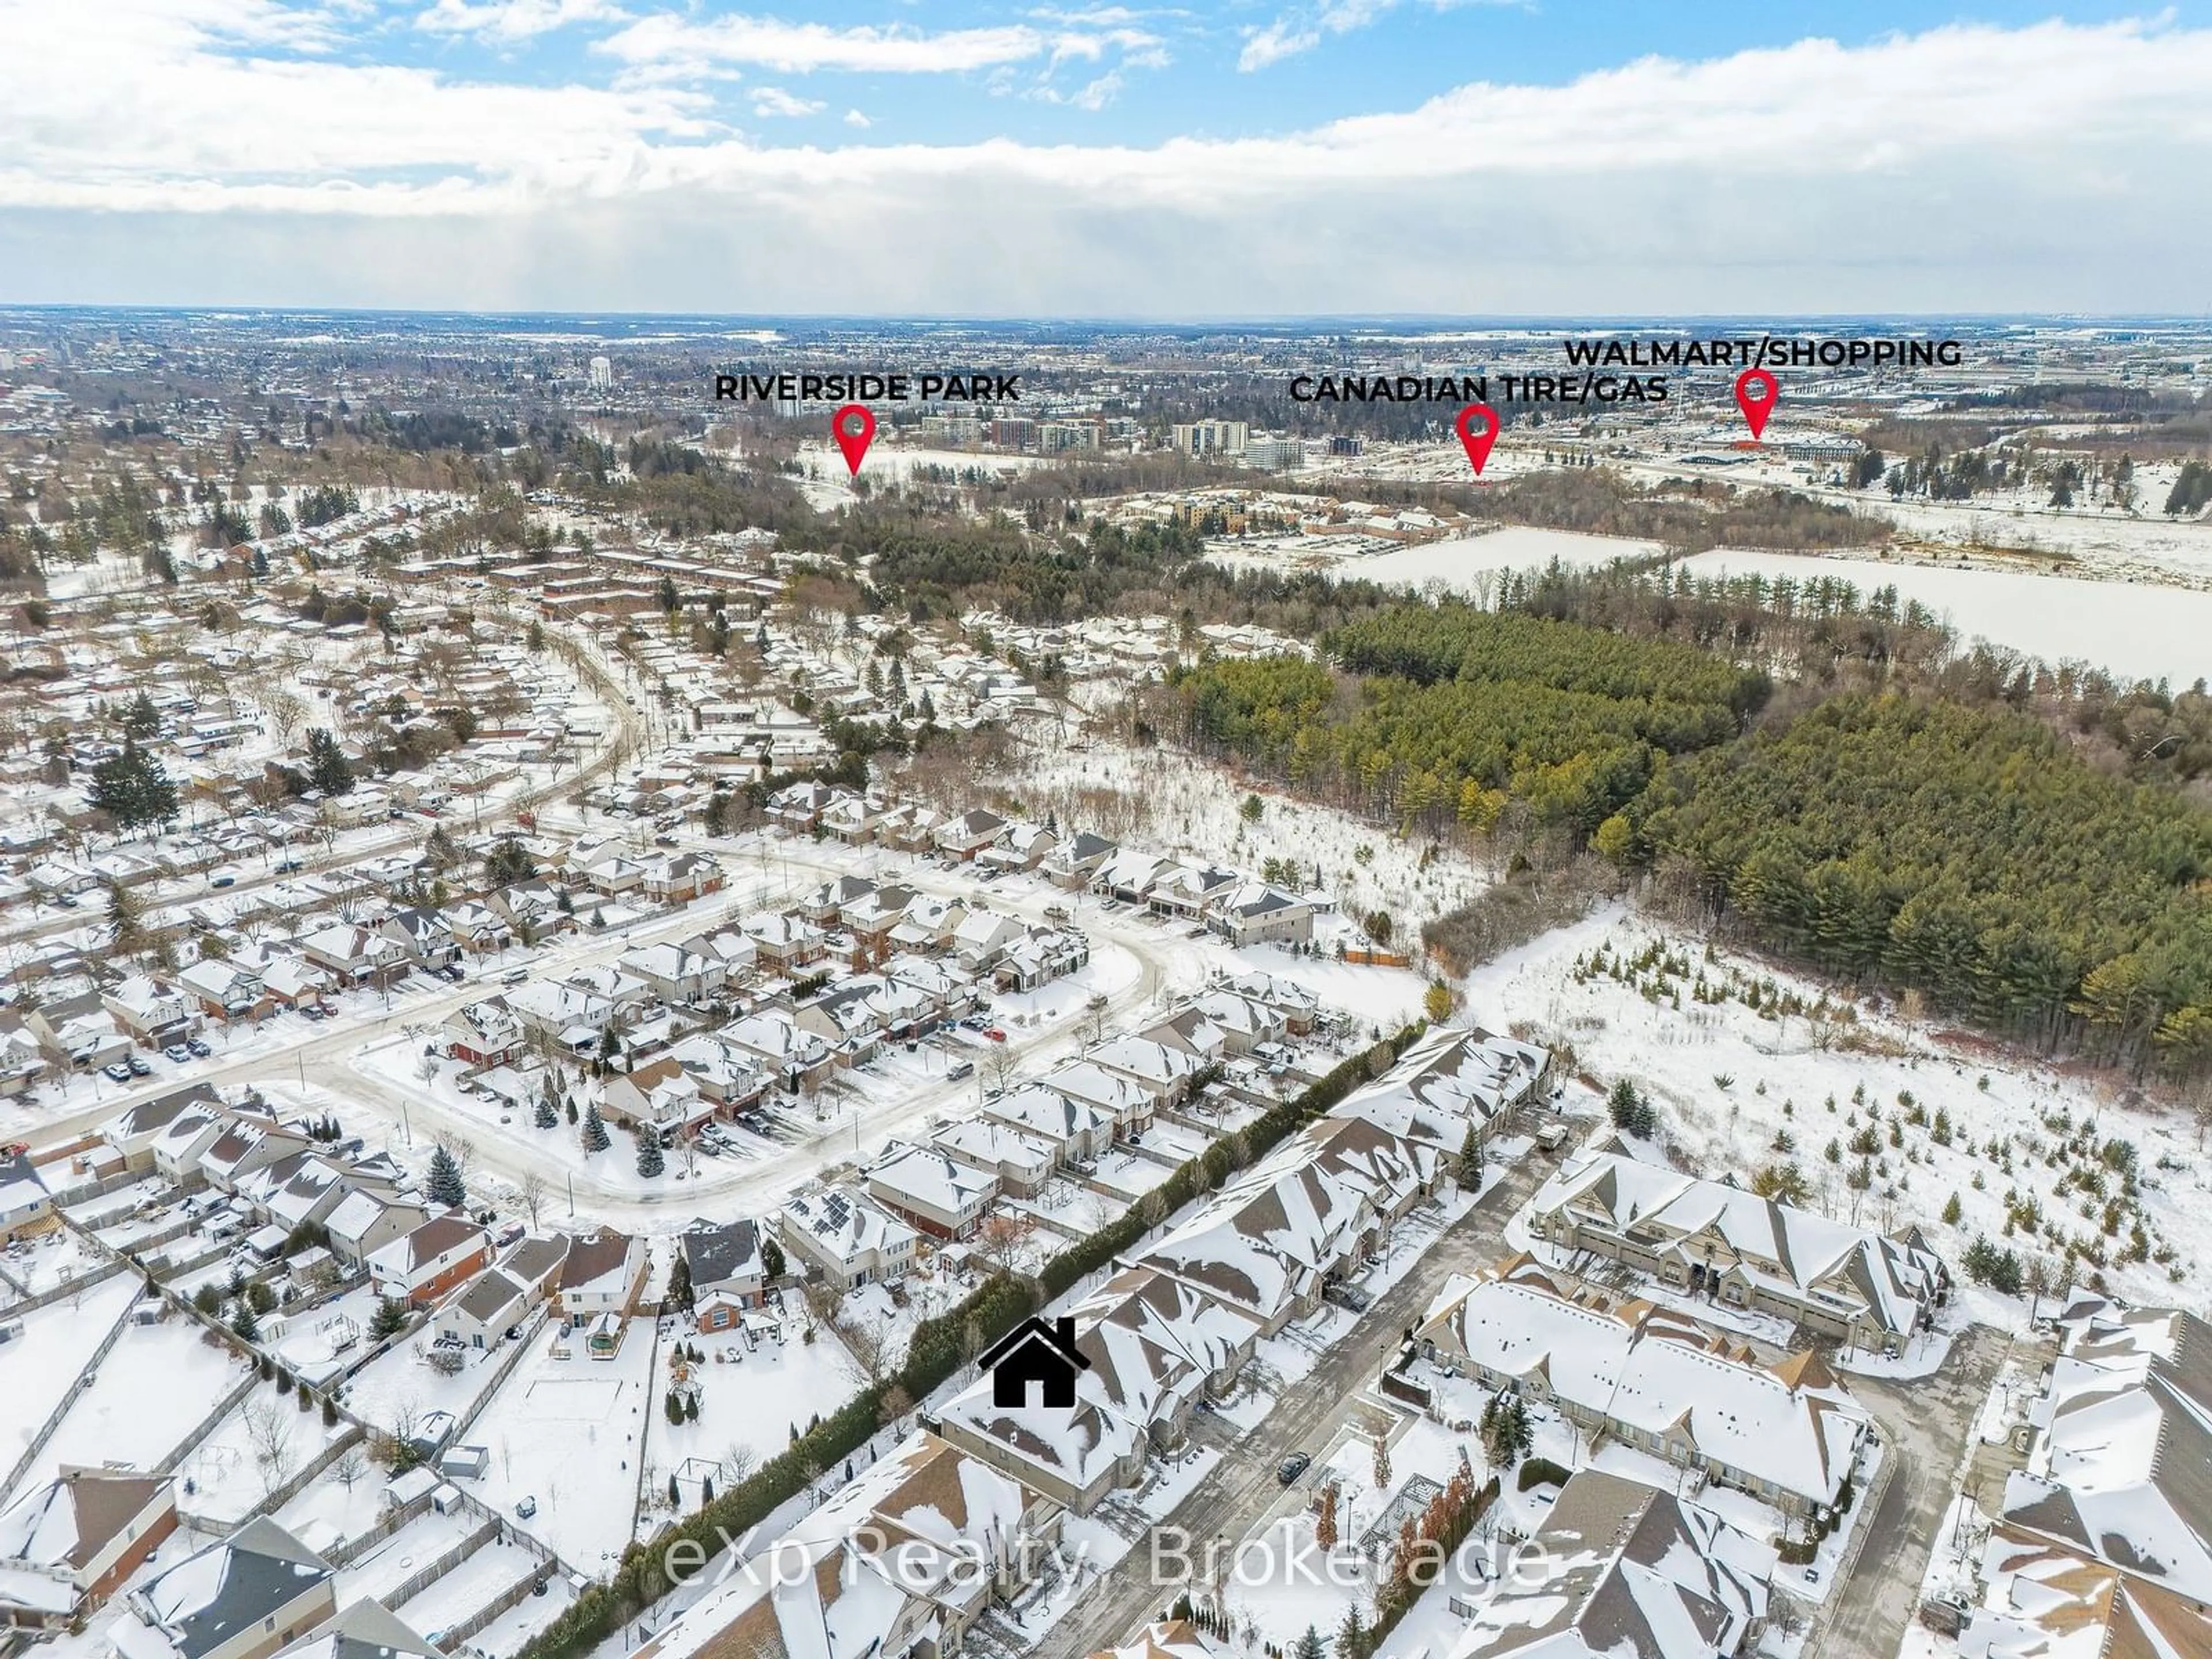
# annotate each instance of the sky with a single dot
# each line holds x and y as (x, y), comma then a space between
(1264, 158)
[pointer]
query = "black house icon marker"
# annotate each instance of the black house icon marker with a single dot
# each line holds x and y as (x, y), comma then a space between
(1035, 1352)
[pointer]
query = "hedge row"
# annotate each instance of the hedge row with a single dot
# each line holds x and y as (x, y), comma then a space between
(1542, 1472)
(941, 1346)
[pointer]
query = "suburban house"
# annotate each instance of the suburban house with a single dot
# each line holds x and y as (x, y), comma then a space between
(1164, 1072)
(1298, 1004)
(2122, 1438)
(1723, 1242)
(67, 1543)
(422, 933)
(1077, 1131)
(679, 878)
(243, 1597)
(898, 1565)
(1259, 912)
(1023, 847)
(1113, 1095)
(152, 1012)
(852, 819)
(661, 1097)
(1271, 1241)
(2040, 1597)
(677, 974)
(26, 1208)
(784, 944)
(838, 1233)
(727, 1278)
(421, 1265)
(354, 954)
(1153, 1348)
(1620, 1567)
(365, 1630)
(732, 1078)
(932, 1190)
(796, 1058)
(484, 1034)
(1451, 1080)
(225, 990)
(364, 1223)
(605, 1273)
(490, 1305)
(1022, 1162)
(1644, 1375)
(964, 836)
(477, 928)
(1075, 861)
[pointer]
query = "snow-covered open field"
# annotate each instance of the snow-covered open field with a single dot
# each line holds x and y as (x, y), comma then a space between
(1883, 1120)
(2133, 631)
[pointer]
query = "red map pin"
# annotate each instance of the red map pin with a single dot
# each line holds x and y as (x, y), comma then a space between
(1756, 391)
(1478, 430)
(855, 429)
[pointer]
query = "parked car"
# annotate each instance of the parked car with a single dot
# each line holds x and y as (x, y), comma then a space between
(197, 1049)
(993, 1033)
(308, 1011)
(118, 1070)
(330, 1010)
(289, 866)
(1294, 1466)
(138, 1067)
(176, 1053)
(526, 1508)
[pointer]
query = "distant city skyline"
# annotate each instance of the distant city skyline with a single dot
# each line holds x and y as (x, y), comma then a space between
(1336, 158)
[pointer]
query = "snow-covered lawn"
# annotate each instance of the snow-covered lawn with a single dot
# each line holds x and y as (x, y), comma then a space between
(568, 1433)
(406, 1552)
(1875, 1119)
(261, 1443)
(328, 1511)
(320, 1343)
(752, 1395)
(400, 1387)
(42, 1264)
(152, 1389)
(41, 1365)
(468, 1587)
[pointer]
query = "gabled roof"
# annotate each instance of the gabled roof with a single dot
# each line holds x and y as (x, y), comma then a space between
(67, 1522)
(1626, 1569)
(365, 1630)
(719, 1251)
(207, 1599)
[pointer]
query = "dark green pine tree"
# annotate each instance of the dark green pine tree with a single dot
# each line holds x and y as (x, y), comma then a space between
(447, 1189)
(547, 1116)
(595, 1137)
(328, 769)
(650, 1162)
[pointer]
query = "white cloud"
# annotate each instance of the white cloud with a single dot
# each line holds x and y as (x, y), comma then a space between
(775, 101)
(803, 48)
(1967, 168)
(508, 21)
(854, 119)
(1300, 31)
